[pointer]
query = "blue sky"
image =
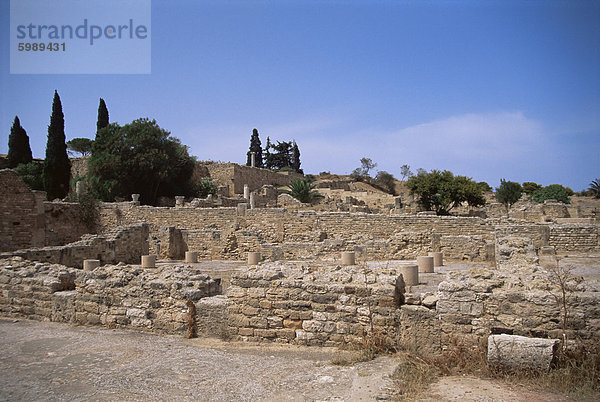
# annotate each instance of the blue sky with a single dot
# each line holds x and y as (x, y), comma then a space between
(486, 89)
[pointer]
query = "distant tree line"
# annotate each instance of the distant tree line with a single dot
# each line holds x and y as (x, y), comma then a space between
(285, 155)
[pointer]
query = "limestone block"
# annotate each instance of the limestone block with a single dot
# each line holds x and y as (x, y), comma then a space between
(520, 352)
(191, 257)
(253, 258)
(348, 258)
(149, 261)
(90, 265)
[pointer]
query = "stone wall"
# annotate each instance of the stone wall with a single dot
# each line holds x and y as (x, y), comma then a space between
(22, 220)
(235, 176)
(119, 296)
(574, 237)
(63, 223)
(123, 244)
(311, 304)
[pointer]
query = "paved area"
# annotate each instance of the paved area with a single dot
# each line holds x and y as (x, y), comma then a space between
(51, 361)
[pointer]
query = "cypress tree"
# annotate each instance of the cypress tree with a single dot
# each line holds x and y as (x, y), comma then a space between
(255, 146)
(57, 167)
(102, 116)
(296, 158)
(19, 150)
(267, 156)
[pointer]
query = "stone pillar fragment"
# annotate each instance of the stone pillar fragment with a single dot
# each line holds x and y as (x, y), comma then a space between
(425, 264)
(438, 258)
(520, 352)
(252, 200)
(191, 257)
(246, 192)
(348, 258)
(149, 261)
(253, 258)
(179, 199)
(410, 274)
(90, 265)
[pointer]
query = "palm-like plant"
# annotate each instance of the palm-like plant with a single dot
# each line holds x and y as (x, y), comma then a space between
(595, 188)
(303, 191)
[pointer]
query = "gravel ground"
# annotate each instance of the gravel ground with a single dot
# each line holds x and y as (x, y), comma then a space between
(51, 361)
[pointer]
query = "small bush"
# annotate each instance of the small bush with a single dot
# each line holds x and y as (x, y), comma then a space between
(206, 187)
(552, 192)
(31, 173)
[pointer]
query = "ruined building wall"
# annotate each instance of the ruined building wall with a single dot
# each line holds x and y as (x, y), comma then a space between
(113, 296)
(236, 176)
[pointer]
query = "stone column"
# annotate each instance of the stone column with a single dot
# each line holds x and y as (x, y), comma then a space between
(348, 258)
(252, 200)
(149, 261)
(179, 200)
(241, 209)
(410, 274)
(246, 192)
(253, 159)
(191, 257)
(253, 258)
(90, 265)
(438, 258)
(425, 264)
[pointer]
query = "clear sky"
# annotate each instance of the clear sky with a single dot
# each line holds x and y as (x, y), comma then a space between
(487, 89)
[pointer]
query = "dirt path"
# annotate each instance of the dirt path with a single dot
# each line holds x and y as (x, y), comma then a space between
(51, 361)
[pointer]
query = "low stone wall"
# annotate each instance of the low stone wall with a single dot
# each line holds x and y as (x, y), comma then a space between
(119, 296)
(311, 304)
(574, 237)
(123, 244)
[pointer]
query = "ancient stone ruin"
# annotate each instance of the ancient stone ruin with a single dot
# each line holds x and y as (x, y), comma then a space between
(297, 273)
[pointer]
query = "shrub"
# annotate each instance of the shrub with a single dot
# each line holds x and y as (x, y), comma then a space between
(31, 173)
(386, 182)
(552, 192)
(508, 193)
(206, 187)
(530, 187)
(303, 191)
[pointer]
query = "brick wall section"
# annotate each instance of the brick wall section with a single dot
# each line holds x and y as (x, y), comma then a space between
(236, 176)
(123, 244)
(22, 213)
(583, 238)
(112, 296)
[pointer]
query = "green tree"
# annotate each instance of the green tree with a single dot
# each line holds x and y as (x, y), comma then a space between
(303, 191)
(530, 187)
(552, 192)
(255, 146)
(267, 159)
(31, 173)
(484, 186)
(281, 157)
(386, 182)
(141, 158)
(441, 191)
(295, 160)
(57, 167)
(405, 172)
(19, 150)
(595, 188)
(80, 145)
(508, 193)
(102, 116)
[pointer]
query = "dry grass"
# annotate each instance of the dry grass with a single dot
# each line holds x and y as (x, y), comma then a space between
(374, 343)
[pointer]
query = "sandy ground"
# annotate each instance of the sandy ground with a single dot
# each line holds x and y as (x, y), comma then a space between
(52, 361)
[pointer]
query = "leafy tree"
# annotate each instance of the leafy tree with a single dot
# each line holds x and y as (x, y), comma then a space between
(595, 188)
(405, 172)
(386, 181)
(57, 167)
(569, 191)
(31, 173)
(552, 192)
(362, 173)
(281, 157)
(303, 191)
(142, 158)
(441, 191)
(530, 187)
(267, 160)
(255, 146)
(295, 162)
(102, 116)
(80, 145)
(19, 150)
(484, 186)
(508, 193)
(206, 187)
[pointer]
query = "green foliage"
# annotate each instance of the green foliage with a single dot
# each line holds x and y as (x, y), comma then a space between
(31, 173)
(530, 187)
(19, 150)
(285, 155)
(310, 178)
(255, 146)
(441, 191)
(595, 188)
(508, 193)
(57, 167)
(295, 162)
(102, 116)
(386, 182)
(569, 191)
(405, 172)
(484, 186)
(141, 158)
(552, 192)
(206, 187)
(80, 145)
(303, 191)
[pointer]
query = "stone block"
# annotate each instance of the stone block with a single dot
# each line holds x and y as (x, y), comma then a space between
(520, 352)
